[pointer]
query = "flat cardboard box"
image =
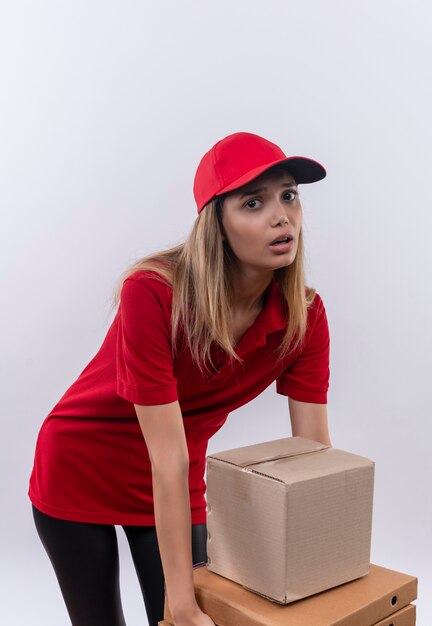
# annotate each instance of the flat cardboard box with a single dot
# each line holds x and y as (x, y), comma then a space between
(289, 518)
(367, 601)
(404, 617)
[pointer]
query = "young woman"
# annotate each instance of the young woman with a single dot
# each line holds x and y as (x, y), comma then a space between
(200, 330)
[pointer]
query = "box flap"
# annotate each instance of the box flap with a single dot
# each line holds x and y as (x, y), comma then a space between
(268, 451)
(312, 466)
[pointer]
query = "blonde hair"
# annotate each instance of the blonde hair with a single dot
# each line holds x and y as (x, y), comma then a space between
(199, 272)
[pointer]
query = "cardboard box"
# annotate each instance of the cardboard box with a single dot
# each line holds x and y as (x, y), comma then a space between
(367, 601)
(289, 518)
(404, 617)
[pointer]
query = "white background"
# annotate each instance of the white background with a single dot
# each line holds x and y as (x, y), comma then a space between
(106, 108)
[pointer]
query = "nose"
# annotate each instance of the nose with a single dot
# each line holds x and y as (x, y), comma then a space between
(281, 215)
(284, 219)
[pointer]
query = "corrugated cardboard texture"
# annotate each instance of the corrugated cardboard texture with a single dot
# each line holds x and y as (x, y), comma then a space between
(292, 524)
(404, 617)
(363, 602)
(248, 545)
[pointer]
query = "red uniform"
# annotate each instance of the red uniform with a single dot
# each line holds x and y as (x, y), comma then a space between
(91, 462)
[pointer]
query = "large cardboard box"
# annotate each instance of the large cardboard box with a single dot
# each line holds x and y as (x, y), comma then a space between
(379, 598)
(289, 518)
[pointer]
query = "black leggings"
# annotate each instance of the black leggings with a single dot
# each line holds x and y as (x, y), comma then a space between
(86, 562)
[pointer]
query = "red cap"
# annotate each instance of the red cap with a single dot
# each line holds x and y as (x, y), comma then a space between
(239, 158)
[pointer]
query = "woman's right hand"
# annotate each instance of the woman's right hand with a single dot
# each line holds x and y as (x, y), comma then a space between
(195, 618)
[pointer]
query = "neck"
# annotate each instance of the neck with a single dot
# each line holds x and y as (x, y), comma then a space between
(249, 290)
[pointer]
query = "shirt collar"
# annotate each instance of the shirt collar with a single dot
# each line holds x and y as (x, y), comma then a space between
(271, 319)
(273, 316)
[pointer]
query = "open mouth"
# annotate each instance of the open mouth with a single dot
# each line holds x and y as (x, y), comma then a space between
(281, 241)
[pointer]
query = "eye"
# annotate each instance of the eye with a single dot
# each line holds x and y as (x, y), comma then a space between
(252, 204)
(290, 195)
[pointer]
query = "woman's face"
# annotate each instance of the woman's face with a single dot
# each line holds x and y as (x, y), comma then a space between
(265, 209)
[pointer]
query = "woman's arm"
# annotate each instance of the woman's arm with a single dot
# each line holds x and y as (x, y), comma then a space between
(309, 420)
(163, 430)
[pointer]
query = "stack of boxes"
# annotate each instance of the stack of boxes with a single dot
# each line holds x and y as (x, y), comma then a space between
(289, 535)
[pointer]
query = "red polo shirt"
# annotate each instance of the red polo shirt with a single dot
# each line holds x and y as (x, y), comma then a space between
(91, 461)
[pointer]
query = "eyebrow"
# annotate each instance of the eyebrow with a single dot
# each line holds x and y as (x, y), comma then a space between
(252, 192)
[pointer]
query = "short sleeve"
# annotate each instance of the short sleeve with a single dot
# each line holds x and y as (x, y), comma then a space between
(145, 373)
(307, 378)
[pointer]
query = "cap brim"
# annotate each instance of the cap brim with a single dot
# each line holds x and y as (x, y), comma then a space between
(303, 170)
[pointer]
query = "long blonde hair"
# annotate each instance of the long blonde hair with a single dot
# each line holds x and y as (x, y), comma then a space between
(199, 272)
